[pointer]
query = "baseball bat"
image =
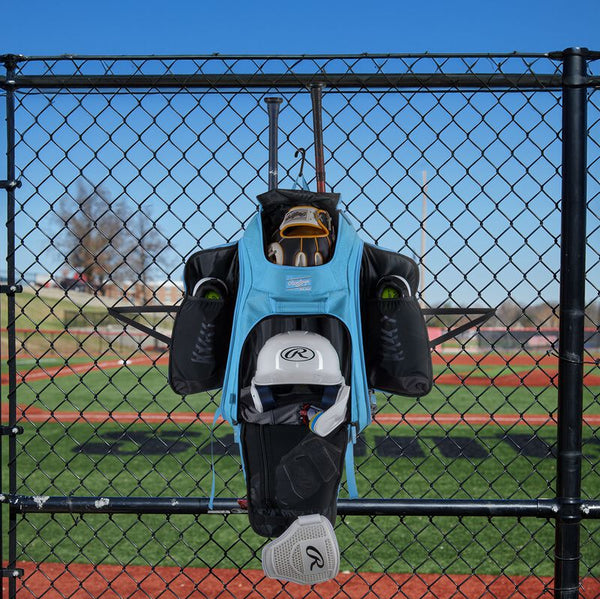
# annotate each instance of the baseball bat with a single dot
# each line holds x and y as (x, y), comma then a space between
(273, 110)
(316, 90)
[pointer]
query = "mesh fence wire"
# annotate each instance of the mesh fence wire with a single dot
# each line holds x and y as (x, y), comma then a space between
(121, 184)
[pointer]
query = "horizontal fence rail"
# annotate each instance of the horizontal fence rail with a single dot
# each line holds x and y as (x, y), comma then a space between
(541, 508)
(242, 81)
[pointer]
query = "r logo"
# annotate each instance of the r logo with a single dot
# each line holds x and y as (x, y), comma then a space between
(297, 354)
(315, 555)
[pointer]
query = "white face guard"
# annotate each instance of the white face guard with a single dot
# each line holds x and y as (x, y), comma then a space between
(324, 422)
(306, 553)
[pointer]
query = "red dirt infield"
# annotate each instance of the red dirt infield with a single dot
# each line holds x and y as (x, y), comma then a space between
(78, 581)
(33, 414)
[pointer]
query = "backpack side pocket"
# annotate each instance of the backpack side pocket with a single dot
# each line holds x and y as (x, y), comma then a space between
(199, 346)
(397, 347)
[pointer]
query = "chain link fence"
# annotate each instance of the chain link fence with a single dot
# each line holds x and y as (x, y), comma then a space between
(118, 168)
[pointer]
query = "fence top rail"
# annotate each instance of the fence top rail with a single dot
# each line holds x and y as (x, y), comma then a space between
(418, 72)
(554, 55)
(14, 59)
(484, 81)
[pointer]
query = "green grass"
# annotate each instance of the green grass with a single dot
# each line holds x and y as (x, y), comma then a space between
(141, 388)
(465, 399)
(79, 459)
(47, 312)
(26, 364)
(132, 388)
(495, 370)
(97, 460)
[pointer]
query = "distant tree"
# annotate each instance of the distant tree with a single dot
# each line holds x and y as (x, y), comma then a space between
(103, 240)
(543, 314)
(92, 236)
(144, 251)
(444, 320)
(508, 314)
(592, 315)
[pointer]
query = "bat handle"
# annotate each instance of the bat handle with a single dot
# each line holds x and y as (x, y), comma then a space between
(273, 111)
(316, 90)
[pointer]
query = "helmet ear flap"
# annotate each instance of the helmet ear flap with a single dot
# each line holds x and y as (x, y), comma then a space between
(324, 422)
(262, 397)
(255, 398)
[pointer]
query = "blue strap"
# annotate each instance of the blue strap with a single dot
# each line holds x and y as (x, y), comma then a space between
(211, 499)
(301, 183)
(266, 397)
(237, 437)
(330, 393)
(350, 473)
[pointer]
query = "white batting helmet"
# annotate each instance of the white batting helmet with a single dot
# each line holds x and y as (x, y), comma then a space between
(298, 357)
(302, 358)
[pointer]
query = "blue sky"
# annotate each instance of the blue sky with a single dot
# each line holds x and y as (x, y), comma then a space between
(195, 27)
(151, 27)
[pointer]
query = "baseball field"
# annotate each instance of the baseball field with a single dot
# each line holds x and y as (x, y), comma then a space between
(113, 428)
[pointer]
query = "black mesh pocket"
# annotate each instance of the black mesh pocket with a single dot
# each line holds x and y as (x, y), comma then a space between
(309, 474)
(397, 347)
(199, 345)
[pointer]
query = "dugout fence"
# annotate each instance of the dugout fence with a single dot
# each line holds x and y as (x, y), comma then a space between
(484, 168)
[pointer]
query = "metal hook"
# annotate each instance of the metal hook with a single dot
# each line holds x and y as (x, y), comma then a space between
(303, 152)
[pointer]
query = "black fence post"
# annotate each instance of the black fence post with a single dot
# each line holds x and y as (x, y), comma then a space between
(2, 507)
(10, 62)
(572, 313)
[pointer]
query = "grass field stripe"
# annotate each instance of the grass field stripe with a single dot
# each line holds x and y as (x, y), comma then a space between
(36, 374)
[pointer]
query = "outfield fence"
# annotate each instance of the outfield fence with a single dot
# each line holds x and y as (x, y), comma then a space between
(483, 168)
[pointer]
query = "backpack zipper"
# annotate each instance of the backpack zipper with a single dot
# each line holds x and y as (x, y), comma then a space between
(263, 447)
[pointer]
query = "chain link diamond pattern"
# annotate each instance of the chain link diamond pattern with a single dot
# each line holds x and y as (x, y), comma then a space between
(121, 184)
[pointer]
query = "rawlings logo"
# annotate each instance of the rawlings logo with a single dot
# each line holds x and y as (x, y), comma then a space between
(315, 555)
(298, 214)
(297, 354)
(298, 283)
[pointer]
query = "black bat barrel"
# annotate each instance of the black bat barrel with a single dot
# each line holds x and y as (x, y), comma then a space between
(316, 90)
(273, 110)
